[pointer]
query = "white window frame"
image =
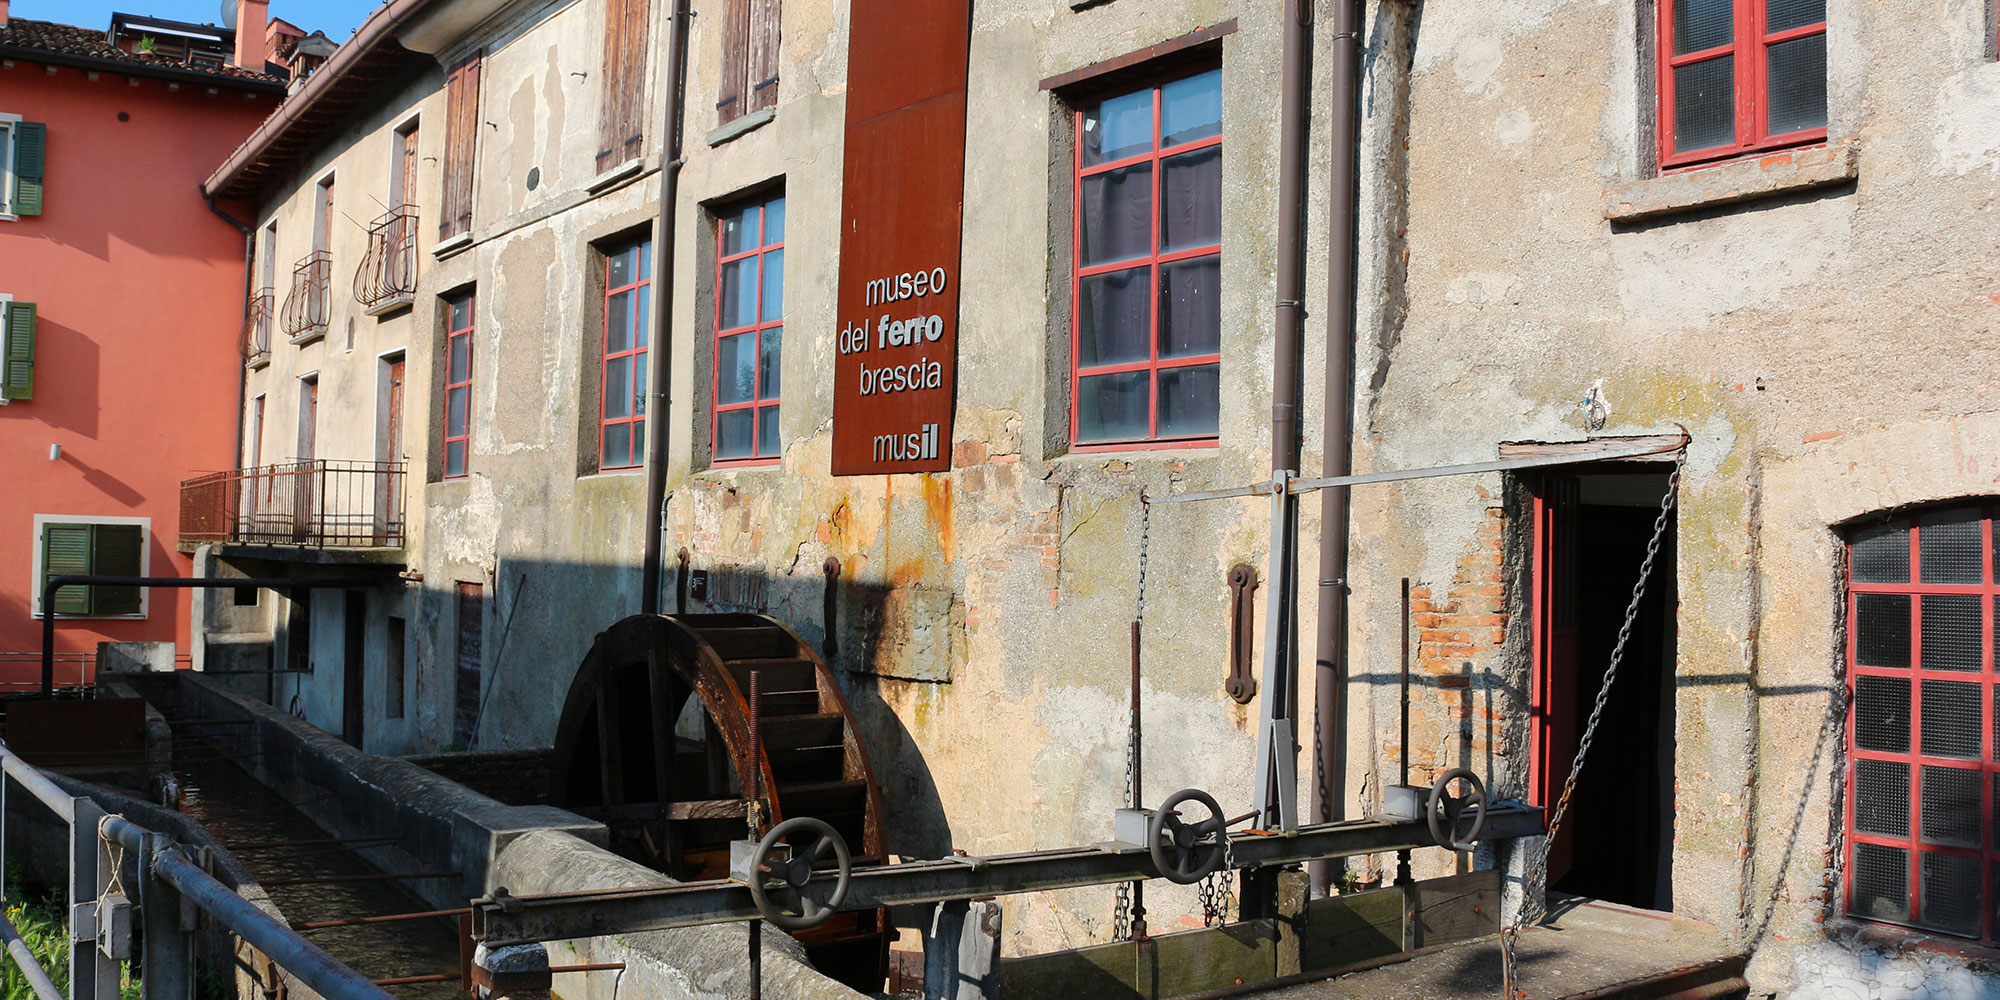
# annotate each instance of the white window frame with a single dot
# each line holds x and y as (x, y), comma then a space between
(145, 562)
(7, 123)
(6, 300)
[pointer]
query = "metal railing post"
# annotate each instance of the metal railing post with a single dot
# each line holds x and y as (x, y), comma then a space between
(92, 975)
(168, 945)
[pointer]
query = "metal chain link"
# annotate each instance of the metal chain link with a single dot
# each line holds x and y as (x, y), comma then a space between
(1121, 912)
(1217, 898)
(1531, 906)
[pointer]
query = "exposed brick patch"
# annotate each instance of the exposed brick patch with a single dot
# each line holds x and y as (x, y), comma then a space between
(1466, 622)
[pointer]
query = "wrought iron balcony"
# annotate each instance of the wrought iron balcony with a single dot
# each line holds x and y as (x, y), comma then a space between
(304, 314)
(314, 503)
(257, 329)
(387, 277)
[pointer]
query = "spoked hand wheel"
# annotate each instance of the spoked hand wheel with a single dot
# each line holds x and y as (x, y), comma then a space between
(1186, 852)
(779, 887)
(1447, 812)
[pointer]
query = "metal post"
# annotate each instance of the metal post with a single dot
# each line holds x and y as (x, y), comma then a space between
(1403, 772)
(1277, 791)
(756, 957)
(168, 947)
(92, 975)
(1138, 795)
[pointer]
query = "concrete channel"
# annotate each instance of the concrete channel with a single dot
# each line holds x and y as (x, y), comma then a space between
(291, 817)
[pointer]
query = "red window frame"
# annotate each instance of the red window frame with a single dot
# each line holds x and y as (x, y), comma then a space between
(759, 327)
(640, 327)
(1748, 42)
(1986, 766)
(1153, 261)
(457, 389)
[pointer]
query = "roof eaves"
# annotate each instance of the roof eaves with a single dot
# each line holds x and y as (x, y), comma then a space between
(280, 132)
(260, 84)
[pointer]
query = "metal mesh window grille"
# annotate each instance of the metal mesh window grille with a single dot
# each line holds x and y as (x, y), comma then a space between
(1923, 730)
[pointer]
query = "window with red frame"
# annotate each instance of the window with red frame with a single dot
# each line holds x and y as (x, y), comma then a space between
(457, 385)
(1923, 758)
(1147, 348)
(1740, 76)
(628, 318)
(749, 331)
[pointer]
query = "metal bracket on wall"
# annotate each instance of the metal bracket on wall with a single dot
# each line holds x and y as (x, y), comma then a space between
(1242, 681)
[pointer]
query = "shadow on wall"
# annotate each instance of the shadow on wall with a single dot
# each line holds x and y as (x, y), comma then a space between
(77, 359)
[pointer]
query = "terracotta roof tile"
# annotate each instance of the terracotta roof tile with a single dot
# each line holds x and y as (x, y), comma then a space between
(59, 40)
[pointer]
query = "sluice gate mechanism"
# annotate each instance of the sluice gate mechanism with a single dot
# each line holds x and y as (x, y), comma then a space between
(662, 740)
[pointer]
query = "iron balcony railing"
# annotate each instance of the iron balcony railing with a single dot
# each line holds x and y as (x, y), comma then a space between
(311, 502)
(304, 314)
(257, 329)
(387, 276)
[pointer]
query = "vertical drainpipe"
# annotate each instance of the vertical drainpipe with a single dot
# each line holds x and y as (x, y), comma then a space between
(659, 357)
(249, 275)
(1330, 656)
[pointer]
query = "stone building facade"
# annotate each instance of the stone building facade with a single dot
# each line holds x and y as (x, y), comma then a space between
(1543, 263)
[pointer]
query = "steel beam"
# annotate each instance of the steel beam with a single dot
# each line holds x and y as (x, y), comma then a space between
(503, 920)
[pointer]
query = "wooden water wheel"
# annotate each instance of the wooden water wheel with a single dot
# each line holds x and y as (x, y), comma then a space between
(655, 741)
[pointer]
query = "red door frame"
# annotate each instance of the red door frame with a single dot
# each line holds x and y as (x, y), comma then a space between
(1552, 716)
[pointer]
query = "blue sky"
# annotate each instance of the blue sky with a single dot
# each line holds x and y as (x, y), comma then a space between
(338, 18)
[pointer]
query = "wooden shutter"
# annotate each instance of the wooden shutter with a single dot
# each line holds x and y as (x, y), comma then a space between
(762, 77)
(30, 148)
(66, 552)
(619, 120)
(461, 135)
(17, 340)
(115, 550)
(731, 95)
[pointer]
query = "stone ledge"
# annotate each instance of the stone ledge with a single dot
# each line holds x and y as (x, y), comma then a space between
(1766, 176)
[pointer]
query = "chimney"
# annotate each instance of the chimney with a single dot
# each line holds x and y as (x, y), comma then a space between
(3, 13)
(252, 52)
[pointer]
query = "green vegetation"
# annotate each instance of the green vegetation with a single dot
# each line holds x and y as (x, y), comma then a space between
(43, 926)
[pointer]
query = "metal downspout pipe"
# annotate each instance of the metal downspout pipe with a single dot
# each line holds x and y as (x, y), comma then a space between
(1330, 655)
(659, 357)
(1276, 800)
(249, 277)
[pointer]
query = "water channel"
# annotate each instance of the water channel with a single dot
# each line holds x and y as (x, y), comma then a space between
(239, 811)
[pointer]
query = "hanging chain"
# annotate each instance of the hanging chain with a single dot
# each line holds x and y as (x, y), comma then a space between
(1121, 912)
(1530, 905)
(1217, 899)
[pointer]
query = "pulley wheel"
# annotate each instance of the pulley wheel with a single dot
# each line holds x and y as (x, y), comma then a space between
(778, 887)
(1186, 852)
(1447, 812)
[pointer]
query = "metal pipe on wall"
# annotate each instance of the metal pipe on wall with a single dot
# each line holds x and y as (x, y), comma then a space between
(1330, 654)
(659, 359)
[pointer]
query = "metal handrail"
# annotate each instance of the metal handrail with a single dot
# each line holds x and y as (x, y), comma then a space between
(388, 272)
(312, 502)
(306, 304)
(165, 871)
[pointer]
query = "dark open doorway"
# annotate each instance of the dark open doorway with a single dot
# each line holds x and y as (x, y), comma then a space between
(1591, 531)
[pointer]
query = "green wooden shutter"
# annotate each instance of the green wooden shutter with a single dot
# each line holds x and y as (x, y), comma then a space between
(17, 340)
(115, 551)
(30, 144)
(66, 552)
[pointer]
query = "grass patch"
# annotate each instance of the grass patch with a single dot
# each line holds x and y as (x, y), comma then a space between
(45, 927)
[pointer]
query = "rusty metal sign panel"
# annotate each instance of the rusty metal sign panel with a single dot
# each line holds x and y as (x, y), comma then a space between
(896, 374)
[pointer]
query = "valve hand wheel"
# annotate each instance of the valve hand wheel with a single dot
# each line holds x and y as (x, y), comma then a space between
(779, 887)
(1447, 812)
(1186, 852)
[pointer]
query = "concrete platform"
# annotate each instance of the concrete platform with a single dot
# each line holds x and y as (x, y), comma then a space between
(1586, 949)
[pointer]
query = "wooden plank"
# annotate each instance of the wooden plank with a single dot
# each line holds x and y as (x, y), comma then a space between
(732, 93)
(1169, 965)
(1454, 909)
(1585, 451)
(762, 78)
(1343, 930)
